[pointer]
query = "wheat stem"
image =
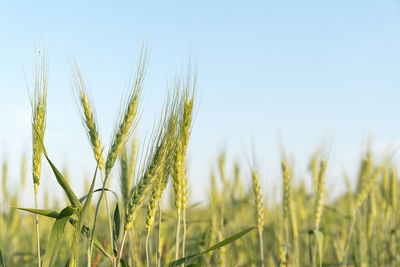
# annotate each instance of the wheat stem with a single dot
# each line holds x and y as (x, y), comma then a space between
(260, 238)
(184, 232)
(121, 248)
(96, 215)
(259, 212)
(348, 240)
(37, 226)
(178, 227)
(147, 250)
(319, 194)
(39, 106)
(88, 253)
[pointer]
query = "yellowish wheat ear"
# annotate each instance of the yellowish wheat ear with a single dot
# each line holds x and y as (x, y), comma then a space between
(259, 201)
(286, 187)
(319, 194)
(366, 188)
(127, 120)
(393, 189)
(39, 107)
(88, 116)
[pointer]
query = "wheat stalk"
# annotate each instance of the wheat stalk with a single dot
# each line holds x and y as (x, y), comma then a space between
(89, 121)
(362, 194)
(122, 131)
(366, 188)
(39, 107)
(179, 167)
(259, 213)
(159, 158)
(127, 121)
(88, 115)
(319, 194)
(185, 132)
(152, 206)
(365, 171)
(177, 185)
(158, 165)
(287, 178)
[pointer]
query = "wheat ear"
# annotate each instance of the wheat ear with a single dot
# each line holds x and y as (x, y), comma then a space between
(319, 194)
(287, 178)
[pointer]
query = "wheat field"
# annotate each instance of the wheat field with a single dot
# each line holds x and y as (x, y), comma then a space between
(150, 220)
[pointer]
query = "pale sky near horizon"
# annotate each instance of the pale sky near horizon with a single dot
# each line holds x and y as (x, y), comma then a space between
(321, 73)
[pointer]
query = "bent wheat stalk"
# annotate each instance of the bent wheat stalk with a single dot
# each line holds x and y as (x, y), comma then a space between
(157, 165)
(89, 121)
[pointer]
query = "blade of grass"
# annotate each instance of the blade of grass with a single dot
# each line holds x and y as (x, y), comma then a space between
(57, 232)
(123, 263)
(216, 246)
(116, 229)
(81, 219)
(48, 213)
(60, 178)
(54, 214)
(99, 190)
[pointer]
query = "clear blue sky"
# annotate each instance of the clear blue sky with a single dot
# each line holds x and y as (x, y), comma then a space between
(321, 72)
